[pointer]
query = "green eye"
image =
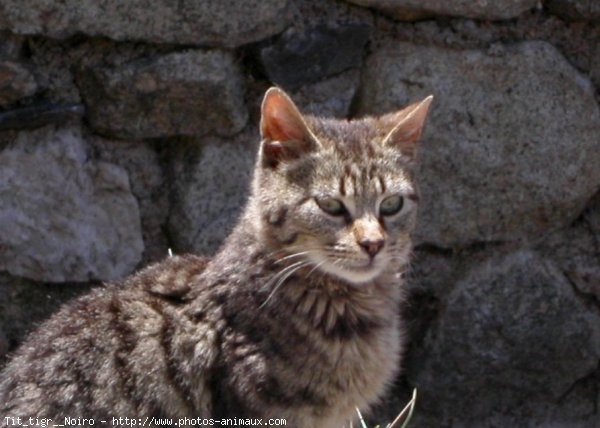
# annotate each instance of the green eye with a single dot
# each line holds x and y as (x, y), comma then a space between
(331, 206)
(391, 205)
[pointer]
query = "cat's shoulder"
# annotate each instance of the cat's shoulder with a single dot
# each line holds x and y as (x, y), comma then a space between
(173, 277)
(168, 281)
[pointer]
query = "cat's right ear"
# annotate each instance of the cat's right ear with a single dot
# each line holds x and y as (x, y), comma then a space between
(284, 132)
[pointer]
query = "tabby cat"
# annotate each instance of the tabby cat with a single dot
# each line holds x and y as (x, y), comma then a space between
(295, 317)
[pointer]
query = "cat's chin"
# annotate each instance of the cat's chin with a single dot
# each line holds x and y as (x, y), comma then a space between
(357, 276)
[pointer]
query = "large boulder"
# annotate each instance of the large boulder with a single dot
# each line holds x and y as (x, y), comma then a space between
(210, 180)
(512, 339)
(184, 93)
(409, 10)
(191, 22)
(330, 97)
(576, 250)
(63, 216)
(316, 52)
(148, 184)
(511, 149)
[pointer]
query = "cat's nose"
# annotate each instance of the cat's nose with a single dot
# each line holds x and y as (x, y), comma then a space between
(372, 246)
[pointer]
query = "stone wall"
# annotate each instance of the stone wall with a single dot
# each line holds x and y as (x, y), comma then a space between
(127, 128)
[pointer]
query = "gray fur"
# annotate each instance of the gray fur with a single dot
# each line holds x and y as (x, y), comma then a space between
(281, 323)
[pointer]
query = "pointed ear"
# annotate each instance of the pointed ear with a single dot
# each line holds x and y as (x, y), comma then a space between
(408, 126)
(283, 129)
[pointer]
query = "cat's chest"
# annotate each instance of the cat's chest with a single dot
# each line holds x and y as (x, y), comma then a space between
(355, 340)
(309, 356)
(352, 374)
(363, 366)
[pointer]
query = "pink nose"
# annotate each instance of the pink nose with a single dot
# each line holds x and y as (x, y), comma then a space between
(372, 247)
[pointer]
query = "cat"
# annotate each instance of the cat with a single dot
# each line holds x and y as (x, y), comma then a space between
(295, 317)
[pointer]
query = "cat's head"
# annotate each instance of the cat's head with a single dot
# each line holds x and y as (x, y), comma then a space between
(337, 195)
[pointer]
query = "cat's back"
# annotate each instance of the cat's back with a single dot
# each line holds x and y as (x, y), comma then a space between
(110, 352)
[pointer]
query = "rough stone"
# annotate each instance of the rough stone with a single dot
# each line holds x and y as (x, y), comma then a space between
(576, 250)
(210, 180)
(511, 149)
(148, 185)
(205, 22)
(330, 97)
(317, 52)
(187, 93)
(575, 10)
(410, 10)
(24, 304)
(64, 217)
(432, 276)
(58, 63)
(309, 12)
(512, 335)
(16, 82)
(11, 46)
(592, 215)
(595, 66)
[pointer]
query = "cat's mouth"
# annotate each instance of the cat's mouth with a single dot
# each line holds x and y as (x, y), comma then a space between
(367, 265)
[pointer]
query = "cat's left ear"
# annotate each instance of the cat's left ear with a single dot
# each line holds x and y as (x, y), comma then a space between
(284, 132)
(408, 126)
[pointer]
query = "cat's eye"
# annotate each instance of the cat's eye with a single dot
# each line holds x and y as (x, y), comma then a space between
(331, 206)
(391, 205)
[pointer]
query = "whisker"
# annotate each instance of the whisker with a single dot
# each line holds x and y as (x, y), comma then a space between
(291, 248)
(336, 262)
(315, 268)
(287, 272)
(301, 253)
(282, 280)
(283, 271)
(337, 247)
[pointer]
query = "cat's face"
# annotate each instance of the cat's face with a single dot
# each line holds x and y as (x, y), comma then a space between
(338, 196)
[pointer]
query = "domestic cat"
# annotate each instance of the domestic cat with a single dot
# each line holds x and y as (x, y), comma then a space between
(295, 317)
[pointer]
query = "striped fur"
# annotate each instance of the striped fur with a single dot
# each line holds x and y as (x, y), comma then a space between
(290, 319)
